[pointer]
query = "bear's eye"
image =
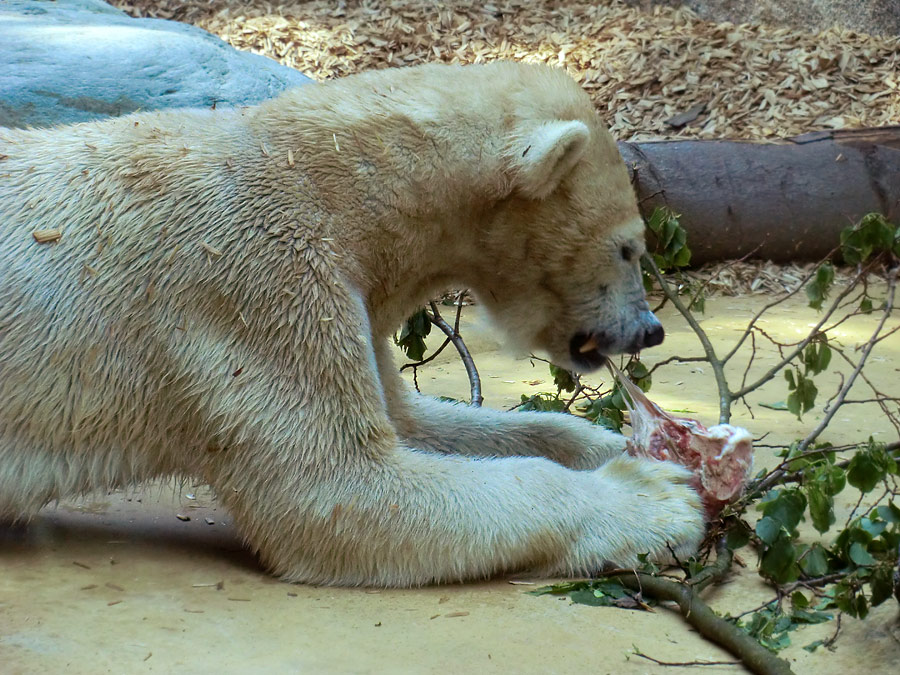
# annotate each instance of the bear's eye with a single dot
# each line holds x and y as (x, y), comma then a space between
(627, 253)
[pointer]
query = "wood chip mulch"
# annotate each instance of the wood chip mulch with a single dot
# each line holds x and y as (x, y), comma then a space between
(642, 68)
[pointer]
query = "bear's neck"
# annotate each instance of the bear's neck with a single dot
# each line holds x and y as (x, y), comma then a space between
(403, 201)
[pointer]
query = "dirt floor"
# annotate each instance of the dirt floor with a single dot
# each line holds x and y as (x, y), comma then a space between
(120, 583)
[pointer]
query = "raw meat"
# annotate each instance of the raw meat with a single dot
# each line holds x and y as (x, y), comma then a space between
(721, 457)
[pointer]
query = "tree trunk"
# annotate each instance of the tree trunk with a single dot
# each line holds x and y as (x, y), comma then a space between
(784, 201)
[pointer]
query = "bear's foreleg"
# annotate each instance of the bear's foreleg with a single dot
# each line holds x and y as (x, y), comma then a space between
(451, 428)
(414, 518)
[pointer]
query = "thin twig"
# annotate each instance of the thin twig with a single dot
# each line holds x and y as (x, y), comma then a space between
(429, 359)
(725, 397)
(677, 359)
(786, 360)
(456, 339)
(826, 419)
(830, 641)
(770, 305)
(637, 652)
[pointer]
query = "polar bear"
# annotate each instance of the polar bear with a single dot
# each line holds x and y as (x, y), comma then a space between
(211, 294)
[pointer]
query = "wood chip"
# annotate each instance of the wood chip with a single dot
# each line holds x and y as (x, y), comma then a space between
(687, 116)
(453, 615)
(46, 236)
(212, 250)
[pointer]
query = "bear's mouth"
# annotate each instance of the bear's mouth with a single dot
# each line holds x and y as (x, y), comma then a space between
(585, 352)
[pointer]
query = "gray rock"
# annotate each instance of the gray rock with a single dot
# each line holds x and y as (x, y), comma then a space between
(79, 60)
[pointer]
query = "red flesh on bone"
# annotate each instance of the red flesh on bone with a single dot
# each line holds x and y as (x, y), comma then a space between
(721, 457)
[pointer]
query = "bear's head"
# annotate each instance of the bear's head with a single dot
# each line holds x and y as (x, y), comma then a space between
(562, 249)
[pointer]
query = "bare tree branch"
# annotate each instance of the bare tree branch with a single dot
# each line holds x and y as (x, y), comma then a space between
(453, 335)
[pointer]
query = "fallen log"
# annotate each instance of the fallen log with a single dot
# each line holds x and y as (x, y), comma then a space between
(786, 200)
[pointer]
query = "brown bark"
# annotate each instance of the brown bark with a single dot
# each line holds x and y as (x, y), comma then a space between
(784, 201)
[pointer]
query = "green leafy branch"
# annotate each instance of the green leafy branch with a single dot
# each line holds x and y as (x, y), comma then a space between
(857, 570)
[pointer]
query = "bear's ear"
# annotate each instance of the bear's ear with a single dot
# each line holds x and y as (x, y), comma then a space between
(543, 156)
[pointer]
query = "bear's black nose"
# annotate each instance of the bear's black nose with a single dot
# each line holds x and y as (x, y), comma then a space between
(654, 335)
(649, 334)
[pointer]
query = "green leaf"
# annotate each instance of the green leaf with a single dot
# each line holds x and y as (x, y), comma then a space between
(818, 288)
(845, 599)
(889, 512)
(882, 584)
(600, 592)
(860, 555)
(785, 506)
(873, 528)
(803, 397)
(563, 379)
(646, 565)
(789, 376)
(561, 588)
(698, 304)
(815, 562)
(639, 374)
(738, 536)
(816, 357)
(778, 561)
(810, 617)
(872, 234)
(821, 506)
(866, 305)
(768, 529)
(867, 467)
(542, 402)
(413, 333)
(682, 257)
(670, 238)
(588, 597)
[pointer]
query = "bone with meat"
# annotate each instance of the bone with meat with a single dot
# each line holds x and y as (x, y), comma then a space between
(720, 457)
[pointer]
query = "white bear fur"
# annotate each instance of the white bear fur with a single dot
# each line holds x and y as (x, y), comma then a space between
(221, 300)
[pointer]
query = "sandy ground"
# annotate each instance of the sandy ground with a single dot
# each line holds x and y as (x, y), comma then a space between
(116, 583)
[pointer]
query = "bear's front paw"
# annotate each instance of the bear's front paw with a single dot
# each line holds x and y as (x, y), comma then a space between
(638, 506)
